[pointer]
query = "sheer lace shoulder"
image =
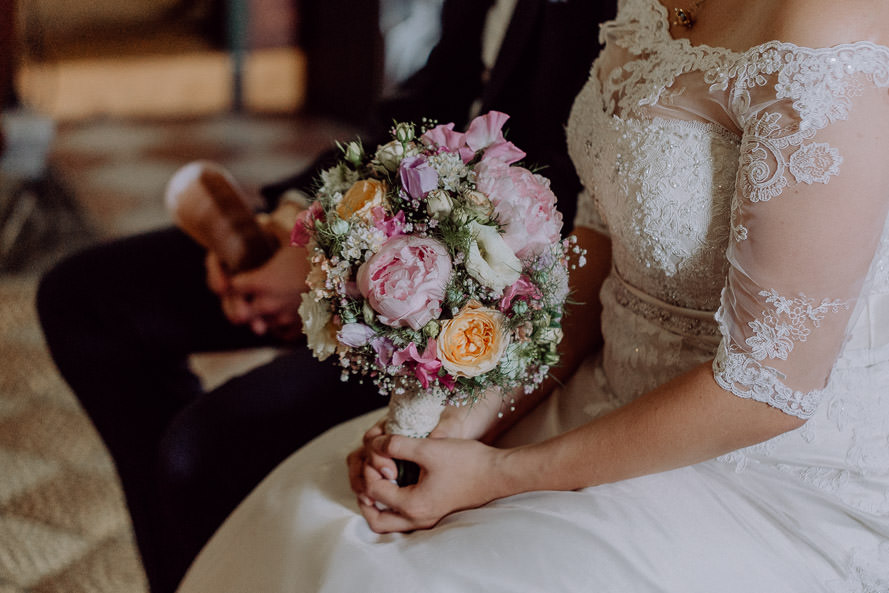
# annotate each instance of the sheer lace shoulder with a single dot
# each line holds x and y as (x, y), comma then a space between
(774, 192)
(807, 217)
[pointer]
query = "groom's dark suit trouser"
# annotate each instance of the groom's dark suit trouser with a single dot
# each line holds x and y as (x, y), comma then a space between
(121, 318)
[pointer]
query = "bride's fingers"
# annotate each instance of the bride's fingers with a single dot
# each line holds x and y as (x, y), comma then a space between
(387, 521)
(373, 432)
(355, 463)
(390, 446)
(398, 509)
(382, 464)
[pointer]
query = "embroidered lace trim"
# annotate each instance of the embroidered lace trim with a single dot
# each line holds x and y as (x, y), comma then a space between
(746, 377)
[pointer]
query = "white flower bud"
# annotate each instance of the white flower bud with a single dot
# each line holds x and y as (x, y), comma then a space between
(404, 132)
(439, 204)
(389, 155)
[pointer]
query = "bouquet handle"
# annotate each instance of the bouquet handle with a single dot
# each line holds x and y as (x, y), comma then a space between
(413, 414)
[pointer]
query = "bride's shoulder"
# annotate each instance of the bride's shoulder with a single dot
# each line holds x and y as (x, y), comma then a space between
(826, 23)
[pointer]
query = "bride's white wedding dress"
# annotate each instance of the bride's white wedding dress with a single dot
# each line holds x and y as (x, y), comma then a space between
(737, 182)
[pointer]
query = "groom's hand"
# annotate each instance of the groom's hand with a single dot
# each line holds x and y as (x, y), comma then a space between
(265, 299)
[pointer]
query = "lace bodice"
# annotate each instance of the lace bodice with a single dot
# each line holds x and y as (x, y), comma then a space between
(746, 184)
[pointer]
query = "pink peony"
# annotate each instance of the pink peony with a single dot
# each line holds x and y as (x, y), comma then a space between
(524, 204)
(405, 281)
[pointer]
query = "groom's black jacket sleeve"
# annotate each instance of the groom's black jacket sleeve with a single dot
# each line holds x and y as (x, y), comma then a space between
(544, 60)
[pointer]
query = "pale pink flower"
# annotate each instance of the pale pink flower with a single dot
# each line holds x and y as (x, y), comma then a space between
(520, 288)
(391, 225)
(425, 366)
(405, 281)
(485, 132)
(305, 224)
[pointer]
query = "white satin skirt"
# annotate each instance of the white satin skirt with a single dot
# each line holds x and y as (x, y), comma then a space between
(701, 529)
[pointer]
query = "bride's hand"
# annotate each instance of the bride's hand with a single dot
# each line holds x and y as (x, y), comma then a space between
(359, 468)
(455, 474)
(465, 422)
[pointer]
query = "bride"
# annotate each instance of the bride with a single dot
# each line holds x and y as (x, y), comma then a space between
(724, 426)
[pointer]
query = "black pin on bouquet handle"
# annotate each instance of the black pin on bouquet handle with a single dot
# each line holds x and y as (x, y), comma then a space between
(408, 472)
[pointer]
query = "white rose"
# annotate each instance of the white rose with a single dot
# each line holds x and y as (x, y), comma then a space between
(490, 260)
(320, 334)
(439, 204)
(390, 154)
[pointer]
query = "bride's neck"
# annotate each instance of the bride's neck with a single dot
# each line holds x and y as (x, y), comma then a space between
(733, 24)
(741, 24)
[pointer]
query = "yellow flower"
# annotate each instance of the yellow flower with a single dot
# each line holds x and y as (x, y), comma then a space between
(473, 342)
(361, 199)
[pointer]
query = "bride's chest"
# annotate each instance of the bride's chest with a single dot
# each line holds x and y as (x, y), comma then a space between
(663, 186)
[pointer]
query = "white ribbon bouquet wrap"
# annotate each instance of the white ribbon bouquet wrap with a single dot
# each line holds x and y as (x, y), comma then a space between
(438, 270)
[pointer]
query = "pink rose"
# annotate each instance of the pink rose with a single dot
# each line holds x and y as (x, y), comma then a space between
(405, 281)
(524, 204)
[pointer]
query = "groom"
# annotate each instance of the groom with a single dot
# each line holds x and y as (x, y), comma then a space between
(187, 457)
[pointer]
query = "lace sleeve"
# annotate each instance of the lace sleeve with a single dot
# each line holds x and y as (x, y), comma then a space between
(811, 201)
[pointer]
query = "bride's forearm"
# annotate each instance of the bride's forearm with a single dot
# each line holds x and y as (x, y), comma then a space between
(685, 421)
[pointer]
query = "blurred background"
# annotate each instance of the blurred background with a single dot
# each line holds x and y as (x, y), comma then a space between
(102, 100)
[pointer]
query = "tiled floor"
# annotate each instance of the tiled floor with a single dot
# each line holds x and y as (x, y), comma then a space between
(118, 169)
(63, 525)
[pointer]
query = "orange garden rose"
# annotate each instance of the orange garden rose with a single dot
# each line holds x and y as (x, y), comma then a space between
(473, 342)
(361, 199)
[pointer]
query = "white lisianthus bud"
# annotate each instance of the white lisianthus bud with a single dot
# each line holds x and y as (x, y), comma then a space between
(490, 260)
(431, 329)
(389, 155)
(439, 204)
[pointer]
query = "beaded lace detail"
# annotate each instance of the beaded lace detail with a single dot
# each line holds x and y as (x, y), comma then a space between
(720, 177)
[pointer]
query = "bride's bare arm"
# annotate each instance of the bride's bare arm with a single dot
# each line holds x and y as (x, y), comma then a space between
(688, 420)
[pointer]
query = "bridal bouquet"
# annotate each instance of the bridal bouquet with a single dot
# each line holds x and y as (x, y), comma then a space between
(437, 268)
